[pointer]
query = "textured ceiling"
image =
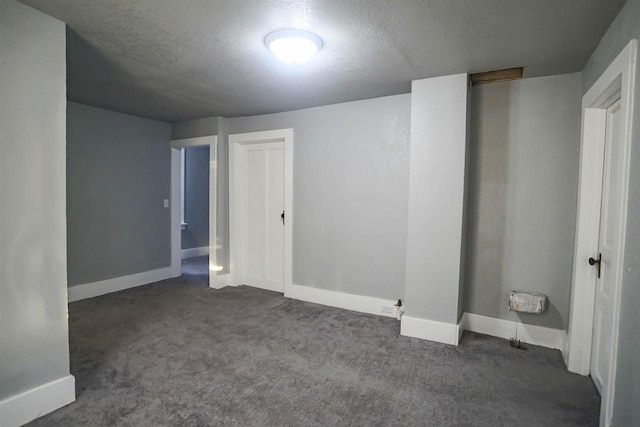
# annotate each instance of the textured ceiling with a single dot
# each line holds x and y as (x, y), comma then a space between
(174, 60)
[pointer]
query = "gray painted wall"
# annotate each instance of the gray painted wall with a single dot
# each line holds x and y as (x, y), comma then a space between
(193, 128)
(196, 232)
(34, 347)
(436, 198)
(627, 392)
(350, 193)
(222, 218)
(525, 142)
(118, 174)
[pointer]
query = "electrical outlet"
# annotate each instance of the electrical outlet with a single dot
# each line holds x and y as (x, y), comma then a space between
(386, 309)
(165, 203)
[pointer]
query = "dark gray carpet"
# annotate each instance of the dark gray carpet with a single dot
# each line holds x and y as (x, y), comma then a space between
(178, 353)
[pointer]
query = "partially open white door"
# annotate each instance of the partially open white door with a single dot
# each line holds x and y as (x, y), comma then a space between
(603, 319)
(607, 122)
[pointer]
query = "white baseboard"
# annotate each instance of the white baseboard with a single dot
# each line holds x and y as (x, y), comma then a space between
(31, 404)
(447, 333)
(565, 349)
(489, 326)
(194, 252)
(220, 281)
(536, 335)
(460, 330)
(90, 290)
(337, 299)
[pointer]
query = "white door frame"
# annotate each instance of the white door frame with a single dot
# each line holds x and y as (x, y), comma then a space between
(236, 171)
(619, 78)
(176, 198)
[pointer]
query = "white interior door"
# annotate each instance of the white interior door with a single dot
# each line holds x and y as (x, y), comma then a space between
(263, 201)
(605, 260)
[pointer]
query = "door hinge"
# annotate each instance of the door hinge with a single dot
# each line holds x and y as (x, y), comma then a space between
(282, 217)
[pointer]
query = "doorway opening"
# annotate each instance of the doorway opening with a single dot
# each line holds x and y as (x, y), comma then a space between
(194, 215)
(193, 212)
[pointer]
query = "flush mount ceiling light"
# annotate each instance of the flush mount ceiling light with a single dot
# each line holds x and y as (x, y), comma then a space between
(293, 46)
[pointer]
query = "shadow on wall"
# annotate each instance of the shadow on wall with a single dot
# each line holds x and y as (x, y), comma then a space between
(488, 167)
(525, 138)
(551, 312)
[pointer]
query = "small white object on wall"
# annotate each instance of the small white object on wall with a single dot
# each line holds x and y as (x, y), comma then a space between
(527, 302)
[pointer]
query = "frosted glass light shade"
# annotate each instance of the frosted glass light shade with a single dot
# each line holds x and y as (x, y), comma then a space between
(293, 46)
